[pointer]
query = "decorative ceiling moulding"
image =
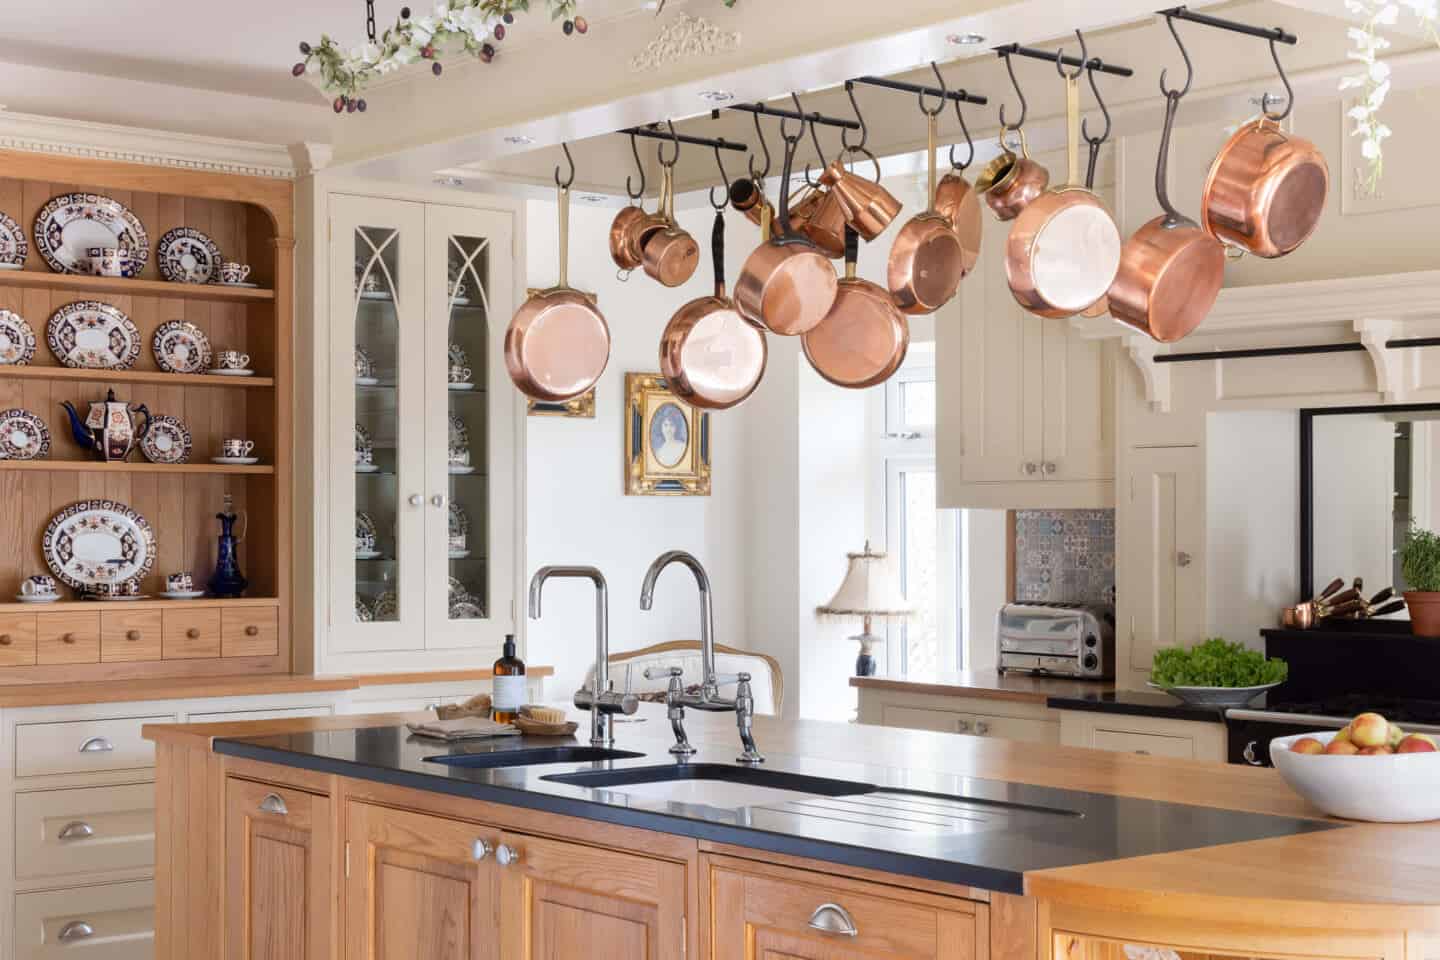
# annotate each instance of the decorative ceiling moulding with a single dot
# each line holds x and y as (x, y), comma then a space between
(684, 38)
(159, 148)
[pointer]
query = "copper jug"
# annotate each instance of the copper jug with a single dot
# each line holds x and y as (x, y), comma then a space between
(868, 207)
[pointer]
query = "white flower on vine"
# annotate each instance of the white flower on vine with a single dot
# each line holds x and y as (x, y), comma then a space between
(422, 31)
(407, 53)
(473, 21)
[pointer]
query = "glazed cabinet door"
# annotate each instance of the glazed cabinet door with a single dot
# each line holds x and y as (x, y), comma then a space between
(761, 912)
(279, 873)
(419, 887)
(470, 448)
(376, 466)
(564, 900)
(1163, 599)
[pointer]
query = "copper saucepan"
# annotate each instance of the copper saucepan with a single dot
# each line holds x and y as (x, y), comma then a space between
(623, 241)
(669, 254)
(1064, 248)
(558, 343)
(786, 284)
(1266, 189)
(711, 356)
(1170, 270)
(1011, 180)
(748, 197)
(957, 201)
(927, 260)
(863, 339)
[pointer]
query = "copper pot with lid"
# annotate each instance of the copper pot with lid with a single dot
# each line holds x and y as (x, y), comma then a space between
(863, 339)
(710, 355)
(927, 262)
(558, 343)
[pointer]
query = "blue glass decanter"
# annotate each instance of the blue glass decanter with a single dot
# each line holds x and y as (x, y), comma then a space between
(227, 580)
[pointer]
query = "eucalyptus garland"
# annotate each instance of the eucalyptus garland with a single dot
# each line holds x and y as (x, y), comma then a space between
(471, 26)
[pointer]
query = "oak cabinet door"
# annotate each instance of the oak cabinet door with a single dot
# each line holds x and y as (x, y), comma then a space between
(279, 873)
(566, 901)
(761, 912)
(419, 887)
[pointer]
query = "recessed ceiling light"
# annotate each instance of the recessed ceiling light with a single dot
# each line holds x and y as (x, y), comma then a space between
(450, 181)
(591, 198)
(965, 39)
(519, 139)
(717, 96)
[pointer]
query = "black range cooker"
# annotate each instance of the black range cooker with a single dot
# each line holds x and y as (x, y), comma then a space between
(1337, 671)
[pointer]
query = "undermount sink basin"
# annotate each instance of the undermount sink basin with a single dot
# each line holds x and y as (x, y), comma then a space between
(532, 756)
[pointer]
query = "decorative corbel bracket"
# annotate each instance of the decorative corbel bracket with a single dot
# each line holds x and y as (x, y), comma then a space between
(1389, 377)
(1142, 351)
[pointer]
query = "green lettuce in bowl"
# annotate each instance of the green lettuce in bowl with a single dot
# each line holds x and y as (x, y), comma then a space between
(1216, 673)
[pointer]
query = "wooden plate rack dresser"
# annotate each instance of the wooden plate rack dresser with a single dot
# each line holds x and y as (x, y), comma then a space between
(251, 219)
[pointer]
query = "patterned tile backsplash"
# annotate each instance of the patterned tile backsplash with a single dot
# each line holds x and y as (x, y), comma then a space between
(1065, 555)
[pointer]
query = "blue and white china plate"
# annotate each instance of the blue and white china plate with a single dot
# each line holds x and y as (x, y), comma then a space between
(186, 255)
(181, 347)
(98, 541)
(13, 245)
(23, 436)
(17, 340)
(92, 335)
(166, 441)
(73, 222)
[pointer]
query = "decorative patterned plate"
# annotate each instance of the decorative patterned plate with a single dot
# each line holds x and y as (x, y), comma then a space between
(186, 255)
(459, 521)
(13, 245)
(17, 340)
(364, 369)
(365, 541)
(23, 436)
(70, 223)
(466, 610)
(457, 591)
(387, 606)
(93, 335)
(98, 541)
(459, 453)
(364, 450)
(167, 441)
(363, 613)
(181, 347)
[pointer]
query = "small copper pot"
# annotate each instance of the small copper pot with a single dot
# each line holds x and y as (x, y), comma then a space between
(624, 249)
(669, 255)
(926, 263)
(863, 339)
(824, 224)
(958, 202)
(748, 198)
(1011, 181)
(1265, 191)
(865, 204)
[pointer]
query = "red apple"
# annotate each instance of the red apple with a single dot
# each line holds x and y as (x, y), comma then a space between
(1369, 730)
(1341, 748)
(1416, 743)
(1307, 745)
(1375, 751)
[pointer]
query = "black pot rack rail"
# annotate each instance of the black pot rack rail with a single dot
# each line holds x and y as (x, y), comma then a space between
(1094, 63)
(655, 133)
(760, 109)
(1273, 34)
(959, 96)
(1353, 346)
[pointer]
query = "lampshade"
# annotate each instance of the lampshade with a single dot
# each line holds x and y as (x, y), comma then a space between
(870, 589)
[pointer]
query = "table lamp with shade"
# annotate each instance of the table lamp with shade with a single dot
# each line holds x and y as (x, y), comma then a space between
(869, 591)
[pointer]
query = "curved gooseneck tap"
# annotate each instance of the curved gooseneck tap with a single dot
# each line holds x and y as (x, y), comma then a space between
(708, 683)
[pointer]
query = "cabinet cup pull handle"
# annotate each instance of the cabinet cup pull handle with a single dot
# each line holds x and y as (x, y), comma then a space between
(833, 918)
(132, 635)
(76, 830)
(1182, 559)
(962, 726)
(193, 633)
(506, 855)
(252, 630)
(96, 745)
(274, 803)
(75, 930)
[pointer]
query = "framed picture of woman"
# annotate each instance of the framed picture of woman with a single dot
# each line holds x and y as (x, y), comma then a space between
(667, 441)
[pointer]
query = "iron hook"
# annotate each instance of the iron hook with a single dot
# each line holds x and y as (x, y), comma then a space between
(1024, 106)
(1091, 68)
(814, 138)
(943, 91)
(864, 130)
(724, 180)
(788, 138)
(969, 157)
(1289, 94)
(660, 150)
(1060, 60)
(635, 149)
(565, 185)
(1189, 67)
(750, 161)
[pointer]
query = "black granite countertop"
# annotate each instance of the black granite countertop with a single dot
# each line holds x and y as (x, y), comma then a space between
(953, 828)
(1139, 703)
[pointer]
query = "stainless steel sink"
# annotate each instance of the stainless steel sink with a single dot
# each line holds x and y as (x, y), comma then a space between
(531, 756)
(748, 776)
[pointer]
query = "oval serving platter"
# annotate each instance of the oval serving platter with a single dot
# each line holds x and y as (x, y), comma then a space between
(17, 340)
(185, 255)
(181, 347)
(98, 541)
(92, 335)
(23, 436)
(73, 222)
(166, 441)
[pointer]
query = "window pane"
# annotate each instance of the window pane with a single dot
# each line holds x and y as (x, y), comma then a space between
(917, 403)
(921, 570)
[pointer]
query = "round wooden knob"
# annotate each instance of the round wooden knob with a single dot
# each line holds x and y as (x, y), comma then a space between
(252, 631)
(68, 638)
(4, 639)
(193, 632)
(132, 635)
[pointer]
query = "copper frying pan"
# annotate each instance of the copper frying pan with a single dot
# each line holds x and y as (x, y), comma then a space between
(927, 260)
(711, 356)
(558, 343)
(1170, 270)
(863, 339)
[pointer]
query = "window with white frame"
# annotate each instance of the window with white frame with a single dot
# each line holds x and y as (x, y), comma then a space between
(924, 542)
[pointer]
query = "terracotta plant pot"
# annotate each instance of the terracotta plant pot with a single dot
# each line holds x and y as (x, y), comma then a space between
(1424, 608)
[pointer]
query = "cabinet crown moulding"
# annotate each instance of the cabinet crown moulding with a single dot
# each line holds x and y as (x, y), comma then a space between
(683, 38)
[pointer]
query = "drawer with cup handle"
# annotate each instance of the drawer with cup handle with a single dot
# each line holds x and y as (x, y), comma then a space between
(69, 637)
(130, 635)
(250, 632)
(17, 639)
(192, 634)
(84, 746)
(115, 921)
(84, 830)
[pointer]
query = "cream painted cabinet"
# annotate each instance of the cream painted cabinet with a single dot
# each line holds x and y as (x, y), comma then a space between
(1163, 541)
(416, 462)
(1147, 736)
(976, 716)
(1026, 406)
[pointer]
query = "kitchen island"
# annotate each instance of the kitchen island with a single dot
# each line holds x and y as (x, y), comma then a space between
(331, 837)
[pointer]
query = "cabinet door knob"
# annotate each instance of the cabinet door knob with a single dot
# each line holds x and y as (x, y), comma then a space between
(1182, 559)
(1030, 468)
(1050, 467)
(481, 849)
(252, 631)
(962, 726)
(438, 500)
(4, 639)
(981, 728)
(96, 745)
(75, 930)
(67, 638)
(506, 855)
(132, 635)
(76, 830)
(193, 633)
(416, 500)
(835, 919)
(274, 803)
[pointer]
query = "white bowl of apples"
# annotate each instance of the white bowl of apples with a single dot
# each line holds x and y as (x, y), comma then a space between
(1370, 770)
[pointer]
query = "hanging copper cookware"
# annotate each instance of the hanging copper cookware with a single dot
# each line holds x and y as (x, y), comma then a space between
(624, 243)
(1170, 270)
(1010, 181)
(863, 339)
(957, 201)
(669, 254)
(710, 355)
(863, 204)
(786, 284)
(1064, 248)
(1100, 307)
(558, 343)
(748, 197)
(927, 261)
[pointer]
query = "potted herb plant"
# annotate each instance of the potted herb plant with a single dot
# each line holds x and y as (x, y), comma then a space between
(1420, 566)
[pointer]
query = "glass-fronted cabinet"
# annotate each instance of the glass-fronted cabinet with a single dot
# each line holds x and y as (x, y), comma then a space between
(419, 295)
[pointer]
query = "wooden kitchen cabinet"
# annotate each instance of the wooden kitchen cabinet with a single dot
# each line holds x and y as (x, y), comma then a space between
(767, 912)
(279, 869)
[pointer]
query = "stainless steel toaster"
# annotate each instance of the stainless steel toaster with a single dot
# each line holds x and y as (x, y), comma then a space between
(1057, 639)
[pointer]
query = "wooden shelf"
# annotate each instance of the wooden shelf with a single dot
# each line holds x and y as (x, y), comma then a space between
(133, 288)
(100, 466)
(159, 377)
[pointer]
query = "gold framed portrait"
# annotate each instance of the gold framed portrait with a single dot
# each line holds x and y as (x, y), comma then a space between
(667, 441)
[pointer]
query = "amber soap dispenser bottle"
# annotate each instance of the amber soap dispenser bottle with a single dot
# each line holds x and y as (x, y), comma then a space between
(508, 688)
